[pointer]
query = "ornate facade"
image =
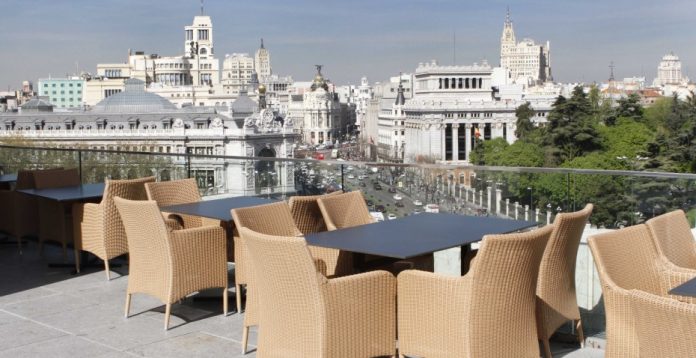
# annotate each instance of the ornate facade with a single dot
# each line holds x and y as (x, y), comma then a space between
(527, 62)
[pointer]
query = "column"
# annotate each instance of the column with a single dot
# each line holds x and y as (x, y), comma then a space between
(488, 199)
(548, 218)
(517, 210)
(467, 137)
(498, 200)
(442, 141)
(507, 207)
(455, 142)
(537, 212)
(526, 213)
(480, 197)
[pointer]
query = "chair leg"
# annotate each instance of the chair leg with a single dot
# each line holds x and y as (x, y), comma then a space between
(245, 338)
(224, 301)
(547, 348)
(238, 296)
(128, 301)
(581, 335)
(77, 260)
(167, 313)
(108, 271)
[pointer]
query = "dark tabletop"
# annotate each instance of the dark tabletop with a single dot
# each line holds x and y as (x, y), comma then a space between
(217, 208)
(687, 288)
(69, 193)
(415, 235)
(8, 178)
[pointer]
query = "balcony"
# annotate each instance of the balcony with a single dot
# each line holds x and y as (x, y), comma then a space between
(47, 310)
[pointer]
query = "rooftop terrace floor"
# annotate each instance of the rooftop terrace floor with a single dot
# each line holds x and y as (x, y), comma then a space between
(50, 312)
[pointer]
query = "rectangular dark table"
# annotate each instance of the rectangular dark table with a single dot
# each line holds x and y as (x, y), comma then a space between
(687, 288)
(66, 194)
(415, 235)
(217, 208)
(69, 193)
(8, 178)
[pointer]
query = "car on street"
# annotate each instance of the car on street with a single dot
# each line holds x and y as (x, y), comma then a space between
(351, 176)
(391, 216)
(362, 184)
(369, 202)
(392, 189)
(398, 197)
(417, 203)
(380, 208)
(399, 204)
(378, 187)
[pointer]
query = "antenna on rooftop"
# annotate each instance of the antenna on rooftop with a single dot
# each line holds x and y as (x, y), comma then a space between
(454, 47)
(201, 7)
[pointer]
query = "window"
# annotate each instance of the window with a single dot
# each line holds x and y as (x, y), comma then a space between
(62, 84)
(45, 85)
(70, 85)
(202, 34)
(189, 35)
(79, 85)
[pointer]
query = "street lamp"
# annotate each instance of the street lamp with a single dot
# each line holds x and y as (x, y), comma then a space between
(531, 205)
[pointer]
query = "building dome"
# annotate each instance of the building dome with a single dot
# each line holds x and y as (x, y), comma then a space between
(134, 99)
(262, 89)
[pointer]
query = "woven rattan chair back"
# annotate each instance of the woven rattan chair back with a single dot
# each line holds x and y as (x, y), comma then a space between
(115, 242)
(26, 215)
(270, 219)
(664, 327)
(503, 287)
(149, 250)
(673, 239)
(306, 213)
(292, 320)
(44, 179)
(626, 259)
(556, 297)
(175, 192)
(344, 210)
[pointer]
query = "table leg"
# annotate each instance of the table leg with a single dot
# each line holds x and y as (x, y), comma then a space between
(465, 257)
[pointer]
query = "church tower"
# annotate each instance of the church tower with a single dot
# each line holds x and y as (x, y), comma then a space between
(507, 41)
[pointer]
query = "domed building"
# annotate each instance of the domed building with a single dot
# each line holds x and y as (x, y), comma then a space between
(137, 120)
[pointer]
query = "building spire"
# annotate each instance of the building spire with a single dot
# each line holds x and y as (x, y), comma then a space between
(201, 7)
(507, 16)
(262, 42)
(611, 74)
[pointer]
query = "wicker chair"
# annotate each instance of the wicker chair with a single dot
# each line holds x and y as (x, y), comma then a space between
(489, 312)
(626, 259)
(664, 327)
(308, 219)
(672, 236)
(556, 297)
(344, 210)
(270, 219)
(20, 219)
(55, 222)
(167, 193)
(99, 228)
(170, 265)
(352, 316)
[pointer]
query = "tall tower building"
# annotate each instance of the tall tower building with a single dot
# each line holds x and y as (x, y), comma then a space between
(527, 62)
(669, 71)
(199, 38)
(262, 62)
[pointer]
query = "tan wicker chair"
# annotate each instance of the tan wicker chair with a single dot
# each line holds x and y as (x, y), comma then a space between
(55, 222)
(344, 210)
(672, 236)
(303, 314)
(556, 297)
(170, 265)
(99, 228)
(489, 312)
(664, 327)
(167, 193)
(270, 219)
(626, 259)
(308, 219)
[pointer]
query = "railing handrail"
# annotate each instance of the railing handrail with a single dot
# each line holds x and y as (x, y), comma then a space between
(531, 170)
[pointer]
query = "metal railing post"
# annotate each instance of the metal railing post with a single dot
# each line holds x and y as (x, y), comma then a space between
(343, 185)
(79, 163)
(188, 165)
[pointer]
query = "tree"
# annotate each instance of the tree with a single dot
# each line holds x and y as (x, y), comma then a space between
(571, 132)
(524, 114)
(630, 107)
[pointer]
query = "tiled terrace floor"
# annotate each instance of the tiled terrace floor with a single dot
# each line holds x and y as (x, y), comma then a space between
(49, 312)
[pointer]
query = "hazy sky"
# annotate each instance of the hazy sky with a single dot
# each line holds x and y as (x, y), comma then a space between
(375, 38)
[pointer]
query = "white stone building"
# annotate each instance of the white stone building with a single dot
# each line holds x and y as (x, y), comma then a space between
(237, 70)
(669, 72)
(451, 107)
(137, 120)
(527, 62)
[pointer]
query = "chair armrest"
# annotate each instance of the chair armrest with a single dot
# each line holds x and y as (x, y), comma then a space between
(672, 276)
(429, 305)
(209, 222)
(361, 313)
(88, 222)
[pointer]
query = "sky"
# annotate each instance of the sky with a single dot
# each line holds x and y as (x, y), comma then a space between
(354, 38)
